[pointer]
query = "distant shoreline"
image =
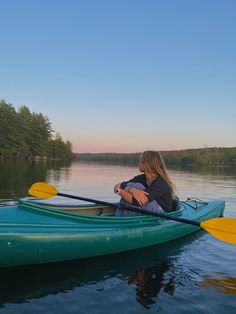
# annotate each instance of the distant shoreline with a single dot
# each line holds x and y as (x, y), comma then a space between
(209, 156)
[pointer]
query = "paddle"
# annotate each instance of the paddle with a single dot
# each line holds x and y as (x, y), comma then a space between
(221, 228)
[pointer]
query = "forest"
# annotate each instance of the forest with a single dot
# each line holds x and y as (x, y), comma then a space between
(29, 135)
(207, 157)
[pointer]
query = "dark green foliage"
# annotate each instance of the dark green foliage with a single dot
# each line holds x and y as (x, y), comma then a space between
(9, 137)
(207, 157)
(58, 149)
(26, 135)
(116, 158)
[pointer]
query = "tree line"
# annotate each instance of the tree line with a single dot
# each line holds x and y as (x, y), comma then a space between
(29, 135)
(208, 156)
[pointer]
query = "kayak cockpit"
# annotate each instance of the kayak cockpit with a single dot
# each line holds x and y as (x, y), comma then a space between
(74, 208)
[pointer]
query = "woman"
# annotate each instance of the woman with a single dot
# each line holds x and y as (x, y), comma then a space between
(152, 190)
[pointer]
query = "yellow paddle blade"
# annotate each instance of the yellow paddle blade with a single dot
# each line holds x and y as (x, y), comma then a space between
(222, 228)
(42, 190)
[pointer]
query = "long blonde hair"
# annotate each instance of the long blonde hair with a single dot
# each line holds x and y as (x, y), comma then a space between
(154, 164)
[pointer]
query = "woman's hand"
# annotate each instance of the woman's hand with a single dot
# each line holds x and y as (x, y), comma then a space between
(117, 186)
(140, 195)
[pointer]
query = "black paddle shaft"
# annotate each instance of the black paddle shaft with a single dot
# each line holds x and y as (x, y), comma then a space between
(133, 208)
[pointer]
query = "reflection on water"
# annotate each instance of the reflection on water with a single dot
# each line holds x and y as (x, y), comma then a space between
(210, 171)
(98, 179)
(222, 284)
(150, 281)
(148, 271)
(17, 176)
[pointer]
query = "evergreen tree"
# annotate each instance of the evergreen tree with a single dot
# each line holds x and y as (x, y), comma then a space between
(26, 135)
(9, 136)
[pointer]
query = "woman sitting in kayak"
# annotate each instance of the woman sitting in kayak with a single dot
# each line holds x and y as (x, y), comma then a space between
(152, 190)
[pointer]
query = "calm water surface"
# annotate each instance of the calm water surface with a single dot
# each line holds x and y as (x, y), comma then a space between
(194, 274)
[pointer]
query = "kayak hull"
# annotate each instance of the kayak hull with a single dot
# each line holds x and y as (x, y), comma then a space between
(32, 233)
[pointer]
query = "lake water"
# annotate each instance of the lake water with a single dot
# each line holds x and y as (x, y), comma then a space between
(194, 274)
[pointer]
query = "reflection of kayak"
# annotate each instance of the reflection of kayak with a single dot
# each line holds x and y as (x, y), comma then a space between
(62, 277)
(37, 232)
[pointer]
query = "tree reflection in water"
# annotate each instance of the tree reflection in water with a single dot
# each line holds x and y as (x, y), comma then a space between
(150, 281)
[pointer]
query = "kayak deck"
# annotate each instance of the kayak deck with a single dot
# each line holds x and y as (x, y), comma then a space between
(34, 213)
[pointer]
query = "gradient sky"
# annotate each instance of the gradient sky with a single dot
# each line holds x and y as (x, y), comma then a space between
(124, 75)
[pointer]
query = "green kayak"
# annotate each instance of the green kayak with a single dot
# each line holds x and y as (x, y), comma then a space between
(33, 231)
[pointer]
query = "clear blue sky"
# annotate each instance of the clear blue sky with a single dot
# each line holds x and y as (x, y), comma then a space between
(124, 75)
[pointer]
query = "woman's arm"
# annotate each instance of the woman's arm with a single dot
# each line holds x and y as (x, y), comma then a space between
(132, 195)
(140, 195)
